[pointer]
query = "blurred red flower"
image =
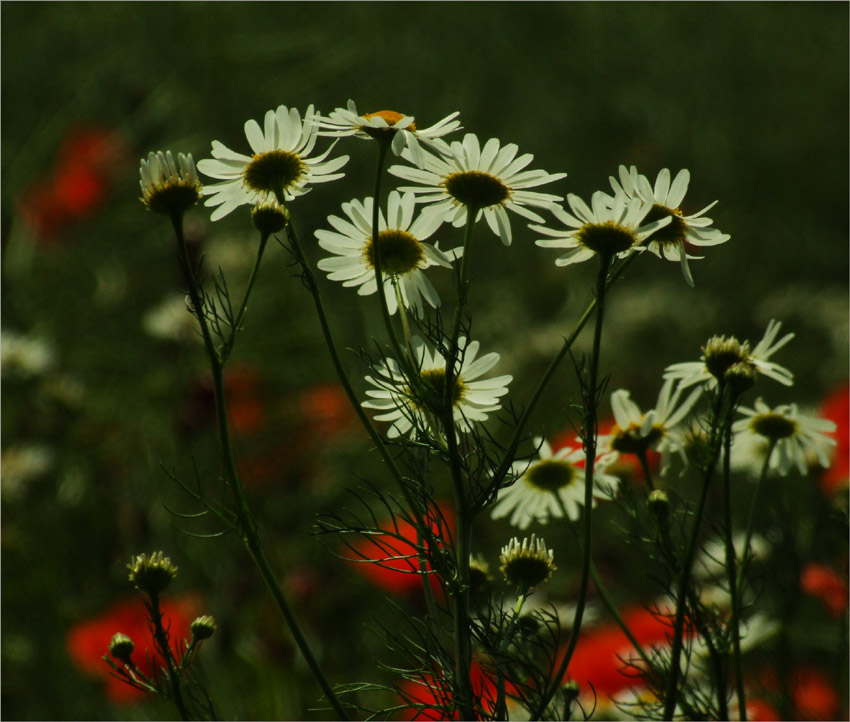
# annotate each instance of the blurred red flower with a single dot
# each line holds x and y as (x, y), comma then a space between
(243, 393)
(827, 585)
(89, 640)
(431, 691)
(77, 184)
(813, 695)
(606, 659)
(390, 562)
(327, 411)
(836, 407)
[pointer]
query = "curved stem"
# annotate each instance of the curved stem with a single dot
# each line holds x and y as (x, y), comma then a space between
(161, 638)
(248, 526)
(647, 472)
(237, 325)
(590, 431)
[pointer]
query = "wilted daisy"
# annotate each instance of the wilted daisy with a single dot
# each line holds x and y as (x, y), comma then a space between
(490, 180)
(169, 187)
(534, 496)
(798, 439)
(472, 400)
(528, 564)
(611, 227)
(404, 255)
(279, 163)
(636, 432)
(723, 356)
(665, 198)
(405, 134)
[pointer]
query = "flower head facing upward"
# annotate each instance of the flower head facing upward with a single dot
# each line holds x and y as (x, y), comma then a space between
(611, 228)
(552, 483)
(528, 564)
(796, 439)
(472, 398)
(671, 241)
(167, 187)
(636, 433)
(389, 123)
(725, 355)
(489, 180)
(280, 164)
(404, 255)
(152, 574)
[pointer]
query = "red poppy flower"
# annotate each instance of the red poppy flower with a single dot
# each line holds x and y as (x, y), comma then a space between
(394, 565)
(430, 692)
(827, 585)
(245, 409)
(605, 658)
(836, 407)
(327, 411)
(813, 696)
(77, 184)
(89, 640)
(757, 711)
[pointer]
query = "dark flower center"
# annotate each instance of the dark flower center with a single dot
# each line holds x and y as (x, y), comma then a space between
(773, 426)
(551, 474)
(273, 171)
(400, 252)
(606, 239)
(674, 232)
(476, 189)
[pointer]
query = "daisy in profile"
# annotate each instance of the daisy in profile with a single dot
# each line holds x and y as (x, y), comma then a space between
(665, 198)
(489, 180)
(347, 121)
(169, 187)
(404, 255)
(611, 228)
(724, 358)
(796, 439)
(280, 163)
(636, 433)
(473, 398)
(553, 480)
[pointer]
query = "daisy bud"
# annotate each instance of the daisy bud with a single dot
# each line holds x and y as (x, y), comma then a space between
(740, 376)
(528, 564)
(721, 353)
(152, 574)
(659, 505)
(167, 187)
(121, 647)
(269, 217)
(203, 628)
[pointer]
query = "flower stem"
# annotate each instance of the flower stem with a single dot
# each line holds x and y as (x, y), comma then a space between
(590, 431)
(237, 325)
(247, 521)
(161, 637)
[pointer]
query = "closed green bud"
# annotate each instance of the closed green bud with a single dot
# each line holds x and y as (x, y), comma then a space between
(203, 628)
(121, 647)
(152, 574)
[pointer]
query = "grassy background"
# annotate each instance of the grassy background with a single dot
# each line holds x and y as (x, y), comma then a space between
(751, 97)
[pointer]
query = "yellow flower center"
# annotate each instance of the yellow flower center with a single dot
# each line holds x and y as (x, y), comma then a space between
(629, 441)
(674, 232)
(275, 170)
(390, 116)
(434, 390)
(476, 189)
(607, 238)
(400, 252)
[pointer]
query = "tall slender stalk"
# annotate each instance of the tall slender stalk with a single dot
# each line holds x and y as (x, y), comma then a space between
(247, 521)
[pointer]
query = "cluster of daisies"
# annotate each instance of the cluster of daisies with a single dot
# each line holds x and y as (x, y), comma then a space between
(461, 182)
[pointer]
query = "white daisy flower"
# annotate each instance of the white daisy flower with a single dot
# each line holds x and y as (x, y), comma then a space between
(490, 179)
(613, 227)
(532, 497)
(404, 256)
(472, 399)
(347, 121)
(665, 198)
(528, 564)
(279, 163)
(722, 354)
(797, 439)
(169, 187)
(635, 432)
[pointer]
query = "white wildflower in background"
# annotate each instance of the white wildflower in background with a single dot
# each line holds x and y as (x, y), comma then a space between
(635, 432)
(534, 496)
(721, 353)
(168, 187)
(22, 463)
(404, 255)
(347, 122)
(491, 180)
(171, 320)
(797, 438)
(666, 198)
(610, 227)
(280, 162)
(473, 398)
(25, 355)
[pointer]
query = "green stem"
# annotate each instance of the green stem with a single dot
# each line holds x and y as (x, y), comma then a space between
(237, 326)
(720, 422)
(644, 464)
(161, 638)
(590, 431)
(734, 621)
(501, 710)
(248, 526)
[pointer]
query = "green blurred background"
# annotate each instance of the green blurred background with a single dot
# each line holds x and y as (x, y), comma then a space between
(751, 97)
